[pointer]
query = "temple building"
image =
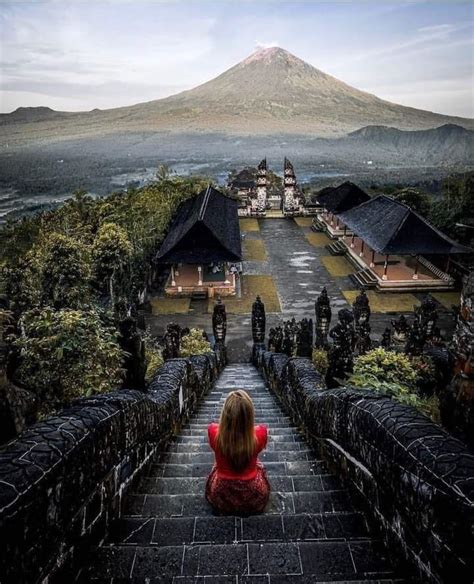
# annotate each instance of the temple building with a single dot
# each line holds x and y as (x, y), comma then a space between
(203, 247)
(292, 200)
(335, 200)
(251, 190)
(389, 243)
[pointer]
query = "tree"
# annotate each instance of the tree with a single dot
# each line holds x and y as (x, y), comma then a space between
(415, 199)
(111, 252)
(67, 354)
(64, 265)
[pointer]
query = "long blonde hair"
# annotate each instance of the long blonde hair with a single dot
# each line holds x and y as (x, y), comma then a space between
(236, 436)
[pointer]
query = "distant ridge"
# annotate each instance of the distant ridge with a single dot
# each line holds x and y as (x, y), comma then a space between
(269, 92)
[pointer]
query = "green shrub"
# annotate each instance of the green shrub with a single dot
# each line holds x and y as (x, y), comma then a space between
(154, 360)
(194, 343)
(385, 367)
(67, 354)
(320, 361)
(394, 375)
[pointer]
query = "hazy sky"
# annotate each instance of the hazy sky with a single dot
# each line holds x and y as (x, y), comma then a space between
(76, 55)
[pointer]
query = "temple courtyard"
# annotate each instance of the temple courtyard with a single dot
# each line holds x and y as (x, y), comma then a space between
(288, 265)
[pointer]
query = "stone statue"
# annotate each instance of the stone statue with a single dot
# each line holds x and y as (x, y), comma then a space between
(427, 315)
(402, 328)
(341, 359)
(132, 343)
(275, 340)
(361, 309)
(322, 309)
(219, 322)
(416, 340)
(364, 342)
(172, 340)
(258, 321)
(386, 341)
(304, 344)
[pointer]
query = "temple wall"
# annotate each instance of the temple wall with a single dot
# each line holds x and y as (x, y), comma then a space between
(413, 477)
(62, 480)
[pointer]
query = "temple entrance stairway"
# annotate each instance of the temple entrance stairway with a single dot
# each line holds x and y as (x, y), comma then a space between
(311, 531)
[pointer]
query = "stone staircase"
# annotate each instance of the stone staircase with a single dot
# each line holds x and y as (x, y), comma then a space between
(310, 532)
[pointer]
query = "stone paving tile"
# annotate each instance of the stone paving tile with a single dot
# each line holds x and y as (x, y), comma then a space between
(262, 527)
(216, 530)
(274, 558)
(223, 559)
(163, 561)
(326, 559)
(173, 531)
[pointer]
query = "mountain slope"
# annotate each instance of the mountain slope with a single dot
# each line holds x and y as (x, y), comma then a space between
(270, 92)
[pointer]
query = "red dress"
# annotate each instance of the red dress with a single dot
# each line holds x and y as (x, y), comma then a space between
(241, 493)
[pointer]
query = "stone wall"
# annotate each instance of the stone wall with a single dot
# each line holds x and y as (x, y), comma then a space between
(63, 479)
(414, 477)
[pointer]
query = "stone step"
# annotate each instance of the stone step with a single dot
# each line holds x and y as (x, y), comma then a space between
(287, 503)
(289, 437)
(275, 425)
(289, 468)
(268, 420)
(272, 432)
(319, 561)
(196, 485)
(208, 456)
(197, 446)
(230, 529)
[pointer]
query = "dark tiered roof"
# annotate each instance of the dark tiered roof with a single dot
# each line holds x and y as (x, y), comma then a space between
(204, 230)
(390, 227)
(245, 179)
(342, 198)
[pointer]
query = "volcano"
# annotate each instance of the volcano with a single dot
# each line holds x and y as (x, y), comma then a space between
(269, 92)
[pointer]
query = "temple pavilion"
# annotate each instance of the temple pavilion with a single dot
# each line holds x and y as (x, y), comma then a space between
(203, 247)
(335, 200)
(390, 244)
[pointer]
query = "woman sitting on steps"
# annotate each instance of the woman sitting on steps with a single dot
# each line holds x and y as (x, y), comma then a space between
(238, 483)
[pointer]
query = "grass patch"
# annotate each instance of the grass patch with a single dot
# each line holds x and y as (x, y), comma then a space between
(303, 221)
(264, 286)
(317, 239)
(248, 224)
(396, 302)
(337, 266)
(447, 299)
(254, 250)
(169, 305)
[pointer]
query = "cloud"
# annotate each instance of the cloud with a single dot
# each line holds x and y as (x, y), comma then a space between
(266, 45)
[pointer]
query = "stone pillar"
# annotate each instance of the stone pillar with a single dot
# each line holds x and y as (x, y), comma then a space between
(219, 322)
(385, 268)
(323, 313)
(199, 275)
(258, 321)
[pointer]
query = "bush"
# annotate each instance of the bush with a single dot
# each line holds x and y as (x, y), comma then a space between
(394, 375)
(320, 361)
(386, 367)
(67, 354)
(153, 356)
(194, 343)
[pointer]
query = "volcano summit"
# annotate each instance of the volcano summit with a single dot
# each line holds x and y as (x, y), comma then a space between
(269, 92)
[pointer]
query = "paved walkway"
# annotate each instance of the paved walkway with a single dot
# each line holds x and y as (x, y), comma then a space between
(299, 274)
(311, 530)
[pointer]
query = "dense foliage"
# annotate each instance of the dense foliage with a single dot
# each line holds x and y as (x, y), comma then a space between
(58, 266)
(320, 361)
(396, 375)
(194, 343)
(66, 354)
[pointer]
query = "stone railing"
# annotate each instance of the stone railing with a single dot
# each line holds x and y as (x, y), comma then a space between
(63, 479)
(415, 479)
